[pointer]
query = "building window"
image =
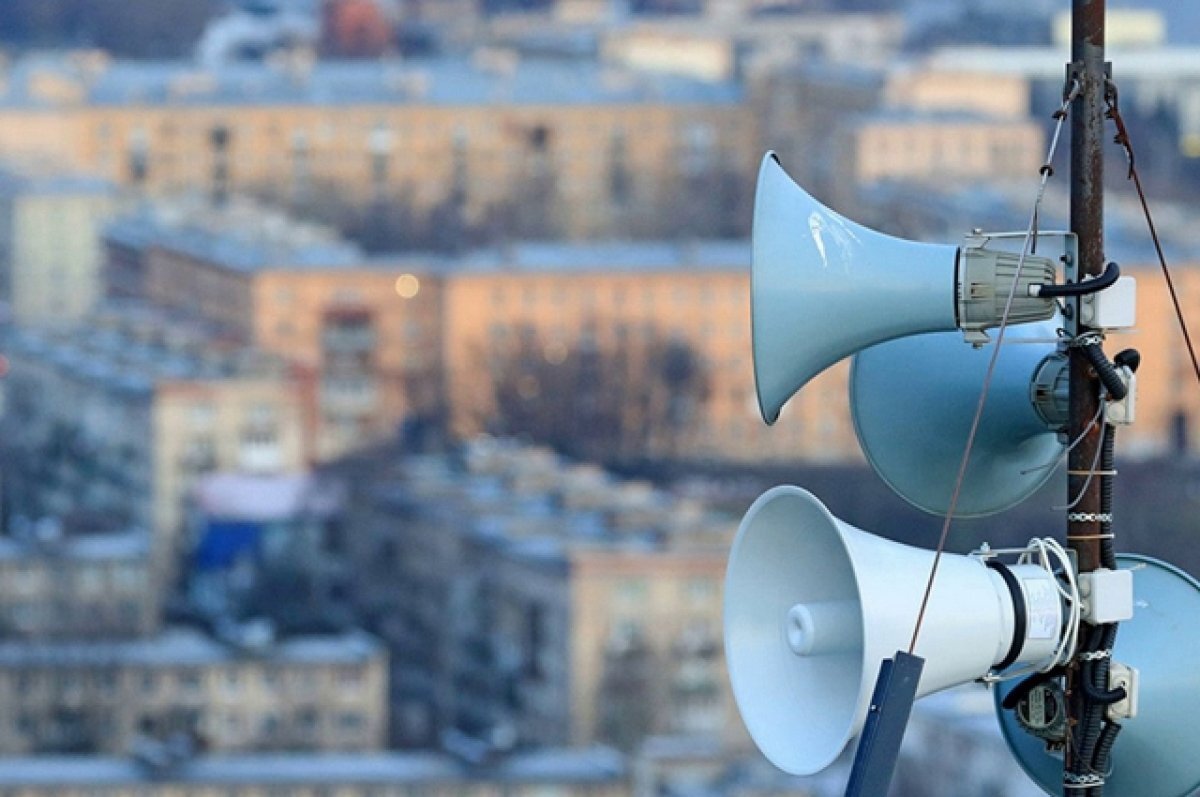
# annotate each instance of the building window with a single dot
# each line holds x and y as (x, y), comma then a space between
(619, 177)
(351, 721)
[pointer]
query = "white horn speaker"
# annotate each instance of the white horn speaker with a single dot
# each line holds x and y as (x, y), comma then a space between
(813, 605)
(1156, 751)
(913, 401)
(823, 287)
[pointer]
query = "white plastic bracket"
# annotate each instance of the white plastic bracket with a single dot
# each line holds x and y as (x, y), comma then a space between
(1122, 675)
(1107, 595)
(1124, 412)
(1113, 308)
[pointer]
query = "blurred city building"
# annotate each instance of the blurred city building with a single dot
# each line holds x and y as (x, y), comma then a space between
(257, 547)
(491, 142)
(116, 419)
(364, 334)
(1159, 85)
(435, 339)
(168, 772)
(50, 254)
(947, 148)
(320, 693)
(671, 319)
(528, 600)
(56, 584)
(529, 337)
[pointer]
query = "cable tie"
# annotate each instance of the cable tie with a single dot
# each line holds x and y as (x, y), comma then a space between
(1089, 517)
(1086, 781)
(1095, 655)
(1086, 339)
(1082, 537)
(1111, 472)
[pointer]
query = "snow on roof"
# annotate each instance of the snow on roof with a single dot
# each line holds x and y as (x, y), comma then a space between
(449, 81)
(238, 496)
(186, 646)
(591, 765)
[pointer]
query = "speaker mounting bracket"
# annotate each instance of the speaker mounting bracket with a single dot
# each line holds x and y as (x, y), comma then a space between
(988, 265)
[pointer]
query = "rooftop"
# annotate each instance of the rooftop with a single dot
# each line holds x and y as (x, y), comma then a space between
(246, 238)
(609, 256)
(241, 236)
(528, 503)
(132, 348)
(187, 646)
(487, 79)
(16, 184)
(129, 545)
(591, 765)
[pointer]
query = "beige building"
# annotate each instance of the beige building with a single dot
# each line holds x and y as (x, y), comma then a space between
(533, 143)
(115, 421)
(88, 586)
(801, 106)
(939, 148)
(362, 334)
(916, 87)
(304, 693)
(50, 253)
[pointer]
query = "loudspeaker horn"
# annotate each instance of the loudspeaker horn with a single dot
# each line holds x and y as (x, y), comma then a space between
(813, 605)
(824, 287)
(1155, 753)
(913, 401)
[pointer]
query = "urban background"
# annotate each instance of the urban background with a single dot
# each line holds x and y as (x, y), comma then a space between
(377, 398)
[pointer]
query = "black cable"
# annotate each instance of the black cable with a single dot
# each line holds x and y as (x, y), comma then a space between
(1106, 371)
(1128, 358)
(1103, 753)
(1100, 696)
(1112, 272)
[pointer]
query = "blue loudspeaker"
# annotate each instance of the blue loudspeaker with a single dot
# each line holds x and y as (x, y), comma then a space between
(1158, 750)
(913, 401)
(823, 287)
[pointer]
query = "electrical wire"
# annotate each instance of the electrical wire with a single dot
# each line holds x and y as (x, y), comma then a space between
(1047, 550)
(1046, 171)
(1122, 138)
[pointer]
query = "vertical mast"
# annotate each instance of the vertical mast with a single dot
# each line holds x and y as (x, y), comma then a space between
(1087, 219)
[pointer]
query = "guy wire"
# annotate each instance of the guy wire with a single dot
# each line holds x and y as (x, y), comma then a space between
(1122, 138)
(1045, 171)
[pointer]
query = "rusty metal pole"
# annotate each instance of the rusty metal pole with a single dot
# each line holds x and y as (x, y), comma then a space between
(1087, 219)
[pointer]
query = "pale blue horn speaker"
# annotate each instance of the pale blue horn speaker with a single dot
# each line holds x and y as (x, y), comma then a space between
(824, 287)
(913, 401)
(1157, 752)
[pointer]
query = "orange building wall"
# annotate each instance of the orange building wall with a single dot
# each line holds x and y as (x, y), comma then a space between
(709, 310)
(1167, 385)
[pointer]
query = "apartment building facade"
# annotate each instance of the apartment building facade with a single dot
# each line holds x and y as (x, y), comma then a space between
(305, 693)
(527, 600)
(491, 134)
(55, 585)
(115, 421)
(49, 240)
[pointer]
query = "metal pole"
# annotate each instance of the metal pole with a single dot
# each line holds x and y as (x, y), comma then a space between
(1087, 219)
